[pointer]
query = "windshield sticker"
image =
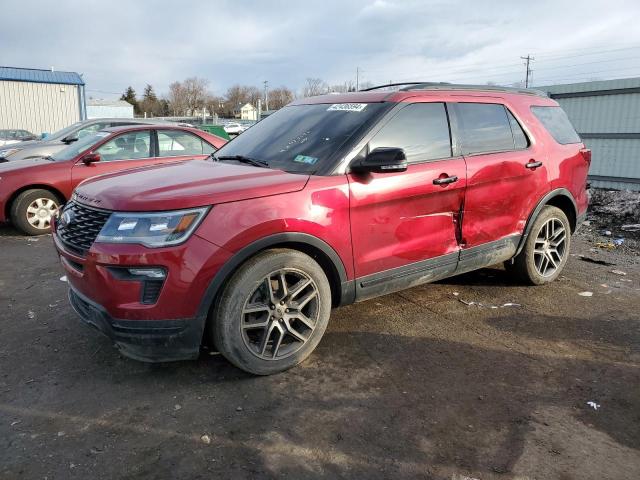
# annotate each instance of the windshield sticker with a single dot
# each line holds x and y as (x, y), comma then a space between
(305, 159)
(347, 107)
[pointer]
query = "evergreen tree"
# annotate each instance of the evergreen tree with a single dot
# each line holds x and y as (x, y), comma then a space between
(129, 96)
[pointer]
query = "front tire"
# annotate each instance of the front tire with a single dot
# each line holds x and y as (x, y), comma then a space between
(273, 312)
(33, 210)
(546, 250)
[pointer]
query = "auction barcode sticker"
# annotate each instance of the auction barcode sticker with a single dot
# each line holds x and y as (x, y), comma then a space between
(347, 107)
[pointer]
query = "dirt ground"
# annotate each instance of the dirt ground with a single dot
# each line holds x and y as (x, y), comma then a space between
(416, 384)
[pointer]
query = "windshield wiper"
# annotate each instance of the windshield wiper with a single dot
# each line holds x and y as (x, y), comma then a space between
(242, 159)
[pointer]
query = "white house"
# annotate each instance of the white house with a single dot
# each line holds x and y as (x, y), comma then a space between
(249, 112)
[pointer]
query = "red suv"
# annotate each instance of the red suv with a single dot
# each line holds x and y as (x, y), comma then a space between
(332, 199)
(32, 189)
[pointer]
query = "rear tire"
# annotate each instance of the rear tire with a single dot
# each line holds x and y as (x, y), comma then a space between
(546, 250)
(33, 210)
(273, 312)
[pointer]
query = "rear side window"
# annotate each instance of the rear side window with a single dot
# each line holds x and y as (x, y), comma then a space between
(484, 128)
(421, 129)
(520, 140)
(173, 143)
(557, 123)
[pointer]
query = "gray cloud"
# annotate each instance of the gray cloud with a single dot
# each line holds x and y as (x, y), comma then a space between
(120, 43)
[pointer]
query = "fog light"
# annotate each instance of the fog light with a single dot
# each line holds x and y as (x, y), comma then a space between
(155, 273)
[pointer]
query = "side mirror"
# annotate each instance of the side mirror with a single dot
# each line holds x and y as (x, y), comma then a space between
(383, 160)
(91, 158)
(70, 139)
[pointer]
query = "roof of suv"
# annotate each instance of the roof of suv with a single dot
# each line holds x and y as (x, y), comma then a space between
(378, 94)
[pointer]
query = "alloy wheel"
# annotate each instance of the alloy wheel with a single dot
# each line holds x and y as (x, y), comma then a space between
(280, 315)
(550, 247)
(40, 212)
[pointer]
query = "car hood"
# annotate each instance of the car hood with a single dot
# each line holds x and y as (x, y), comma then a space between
(7, 167)
(185, 185)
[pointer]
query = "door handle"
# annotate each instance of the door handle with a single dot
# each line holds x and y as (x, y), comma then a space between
(445, 180)
(533, 164)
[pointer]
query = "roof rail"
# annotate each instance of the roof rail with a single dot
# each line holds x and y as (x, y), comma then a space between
(453, 86)
(386, 85)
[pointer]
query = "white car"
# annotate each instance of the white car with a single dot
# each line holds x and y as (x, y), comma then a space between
(9, 137)
(234, 128)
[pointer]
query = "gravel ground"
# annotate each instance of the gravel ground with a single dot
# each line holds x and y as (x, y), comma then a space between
(411, 385)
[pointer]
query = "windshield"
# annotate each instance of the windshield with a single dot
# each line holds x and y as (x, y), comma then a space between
(78, 147)
(301, 138)
(64, 132)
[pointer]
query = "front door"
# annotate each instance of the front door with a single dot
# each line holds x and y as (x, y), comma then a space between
(403, 225)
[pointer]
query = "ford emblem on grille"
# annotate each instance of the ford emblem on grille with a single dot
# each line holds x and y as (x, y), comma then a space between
(67, 218)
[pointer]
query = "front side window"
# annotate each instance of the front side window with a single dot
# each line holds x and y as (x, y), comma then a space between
(128, 146)
(302, 138)
(484, 128)
(420, 129)
(79, 147)
(173, 143)
(557, 124)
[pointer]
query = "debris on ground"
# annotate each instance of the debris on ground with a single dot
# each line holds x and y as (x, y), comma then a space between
(585, 294)
(593, 405)
(605, 245)
(607, 233)
(634, 227)
(596, 261)
(63, 278)
(619, 272)
(478, 304)
(618, 241)
(31, 314)
(205, 439)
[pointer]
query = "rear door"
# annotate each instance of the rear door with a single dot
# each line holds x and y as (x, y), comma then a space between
(181, 145)
(127, 150)
(506, 176)
(403, 225)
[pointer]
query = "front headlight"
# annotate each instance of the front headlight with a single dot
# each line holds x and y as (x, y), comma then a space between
(158, 229)
(8, 151)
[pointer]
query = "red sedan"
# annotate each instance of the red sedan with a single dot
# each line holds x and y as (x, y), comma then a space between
(31, 190)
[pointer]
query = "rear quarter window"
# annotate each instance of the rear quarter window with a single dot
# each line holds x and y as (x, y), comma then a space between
(557, 124)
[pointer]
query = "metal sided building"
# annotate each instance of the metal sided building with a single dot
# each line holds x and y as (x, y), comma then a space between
(98, 108)
(41, 101)
(606, 114)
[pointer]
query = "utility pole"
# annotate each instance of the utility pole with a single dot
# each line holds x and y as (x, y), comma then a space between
(528, 71)
(266, 94)
(357, 79)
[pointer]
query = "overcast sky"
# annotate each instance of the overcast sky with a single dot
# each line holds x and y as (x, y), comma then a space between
(117, 43)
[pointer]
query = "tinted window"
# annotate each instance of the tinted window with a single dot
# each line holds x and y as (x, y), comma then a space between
(484, 128)
(421, 129)
(520, 139)
(129, 146)
(557, 123)
(172, 143)
(301, 138)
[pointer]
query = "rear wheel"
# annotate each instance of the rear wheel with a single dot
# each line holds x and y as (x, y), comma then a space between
(273, 312)
(33, 210)
(546, 250)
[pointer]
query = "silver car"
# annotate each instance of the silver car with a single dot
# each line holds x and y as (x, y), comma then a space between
(63, 138)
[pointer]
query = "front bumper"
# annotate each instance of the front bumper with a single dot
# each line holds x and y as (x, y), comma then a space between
(143, 340)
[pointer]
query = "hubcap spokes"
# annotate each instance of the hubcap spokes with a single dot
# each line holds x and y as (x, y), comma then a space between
(40, 212)
(550, 247)
(280, 315)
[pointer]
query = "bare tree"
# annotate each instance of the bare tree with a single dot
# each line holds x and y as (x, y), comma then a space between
(177, 99)
(195, 91)
(348, 86)
(279, 97)
(314, 86)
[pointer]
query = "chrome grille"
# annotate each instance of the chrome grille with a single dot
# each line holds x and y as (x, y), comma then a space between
(85, 225)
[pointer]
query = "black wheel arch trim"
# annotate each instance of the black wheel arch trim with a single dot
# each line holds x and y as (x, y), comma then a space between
(559, 192)
(346, 287)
